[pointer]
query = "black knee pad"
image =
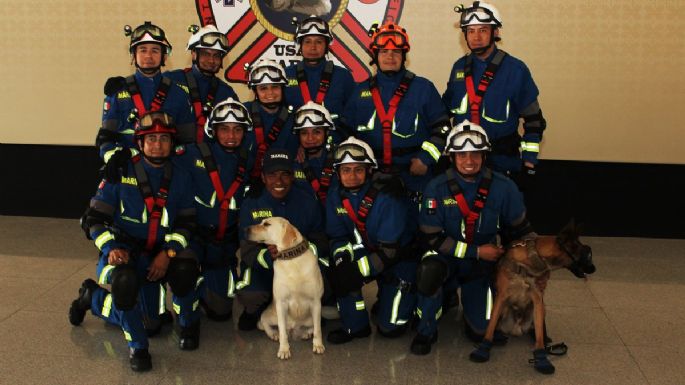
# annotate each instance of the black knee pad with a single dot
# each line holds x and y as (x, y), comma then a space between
(125, 287)
(182, 275)
(430, 276)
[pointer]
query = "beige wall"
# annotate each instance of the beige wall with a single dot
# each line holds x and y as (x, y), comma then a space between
(610, 72)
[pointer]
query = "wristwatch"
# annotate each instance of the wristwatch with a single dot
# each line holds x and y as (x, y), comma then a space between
(171, 253)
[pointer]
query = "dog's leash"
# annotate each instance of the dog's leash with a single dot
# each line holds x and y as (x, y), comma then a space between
(556, 349)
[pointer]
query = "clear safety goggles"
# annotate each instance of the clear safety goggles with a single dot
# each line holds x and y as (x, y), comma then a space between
(482, 15)
(312, 118)
(266, 75)
(353, 151)
(210, 39)
(313, 27)
(468, 141)
(230, 113)
(391, 40)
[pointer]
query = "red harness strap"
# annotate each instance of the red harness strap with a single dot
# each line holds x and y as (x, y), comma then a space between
(471, 215)
(201, 111)
(263, 143)
(321, 184)
(157, 100)
(225, 198)
(386, 117)
(359, 218)
(153, 202)
(324, 84)
(476, 95)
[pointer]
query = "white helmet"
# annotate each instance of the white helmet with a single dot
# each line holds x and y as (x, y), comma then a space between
(467, 137)
(228, 111)
(479, 13)
(266, 71)
(207, 37)
(313, 115)
(312, 26)
(353, 150)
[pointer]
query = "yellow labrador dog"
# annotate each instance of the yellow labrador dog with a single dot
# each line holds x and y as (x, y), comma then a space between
(297, 288)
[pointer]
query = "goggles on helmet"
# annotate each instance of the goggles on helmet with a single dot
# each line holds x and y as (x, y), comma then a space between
(390, 40)
(482, 14)
(311, 118)
(230, 113)
(468, 140)
(208, 40)
(266, 75)
(148, 28)
(313, 26)
(351, 151)
(155, 122)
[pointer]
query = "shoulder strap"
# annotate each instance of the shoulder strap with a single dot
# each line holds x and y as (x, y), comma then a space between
(476, 94)
(470, 215)
(154, 204)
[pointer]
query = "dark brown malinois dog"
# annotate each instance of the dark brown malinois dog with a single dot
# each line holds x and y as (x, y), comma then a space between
(521, 278)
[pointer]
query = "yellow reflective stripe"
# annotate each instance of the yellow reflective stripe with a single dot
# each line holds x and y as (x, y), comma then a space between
(162, 300)
(431, 149)
(395, 307)
(359, 305)
(165, 219)
(127, 335)
(492, 120)
(102, 279)
(261, 260)
(358, 243)
(144, 215)
(370, 125)
(488, 304)
(176, 237)
(429, 253)
(233, 205)
(438, 314)
(231, 285)
(403, 136)
(344, 248)
(364, 267)
(419, 313)
(324, 262)
(128, 131)
(530, 146)
(314, 249)
(177, 308)
(109, 153)
(107, 306)
(103, 238)
(199, 281)
(199, 200)
(196, 304)
(463, 107)
(460, 249)
(247, 274)
(463, 229)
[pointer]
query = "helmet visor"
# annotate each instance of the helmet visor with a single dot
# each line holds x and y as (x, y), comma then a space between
(312, 118)
(230, 112)
(481, 15)
(391, 40)
(353, 151)
(148, 121)
(266, 75)
(468, 141)
(210, 39)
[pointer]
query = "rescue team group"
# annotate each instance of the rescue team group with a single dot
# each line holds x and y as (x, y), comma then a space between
(373, 174)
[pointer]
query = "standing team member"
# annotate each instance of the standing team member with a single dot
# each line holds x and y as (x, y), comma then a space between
(220, 170)
(142, 226)
(315, 78)
(460, 218)
(495, 90)
(398, 113)
(280, 197)
(207, 47)
(127, 99)
(371, 229)
(271, 118)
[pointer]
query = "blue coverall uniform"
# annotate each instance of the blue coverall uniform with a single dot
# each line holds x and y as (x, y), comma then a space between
(440, 214)
(285, 140)
(302, 210)
(204, 84)
(124, 203)
(339, 91)
(118, 108)
(314, 166)
(508, 98)
(389, 222)
(217, 256)
(419, 111)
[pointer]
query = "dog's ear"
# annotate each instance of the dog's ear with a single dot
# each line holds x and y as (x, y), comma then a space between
(290, 235)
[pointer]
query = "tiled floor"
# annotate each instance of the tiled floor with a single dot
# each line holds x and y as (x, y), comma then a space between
(625, 325)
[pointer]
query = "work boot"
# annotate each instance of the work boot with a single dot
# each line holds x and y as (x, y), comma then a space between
(248, 321)
(482, 352)
(164, 319)
(421, 344)
(79, 307)
(540, 362)
(394, 333)
(341, 336)
(140, 360)
(189, 336)
(498, 339)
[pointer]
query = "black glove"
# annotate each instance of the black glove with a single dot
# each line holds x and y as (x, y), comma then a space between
(117, 165)
(346, 277)
(114, 84)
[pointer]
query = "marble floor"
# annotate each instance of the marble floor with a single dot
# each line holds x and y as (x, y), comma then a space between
(624, 325)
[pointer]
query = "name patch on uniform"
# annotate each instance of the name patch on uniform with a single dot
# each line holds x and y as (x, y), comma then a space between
(258, 214)
(129, 180)
(365, 94)
(184, 87)
(123, 95)
(340, 211)
(459, 75)
(449, 202)
(292, 82)
(299, 174)
(199, 163)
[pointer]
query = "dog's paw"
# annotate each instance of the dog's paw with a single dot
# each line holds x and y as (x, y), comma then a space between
(284, 353)
(318, 348)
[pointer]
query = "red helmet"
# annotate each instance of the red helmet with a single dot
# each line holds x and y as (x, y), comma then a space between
(156, 122)
(389, 36)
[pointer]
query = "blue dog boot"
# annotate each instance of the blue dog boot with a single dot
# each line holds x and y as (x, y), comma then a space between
(541, 363)
(482, 352)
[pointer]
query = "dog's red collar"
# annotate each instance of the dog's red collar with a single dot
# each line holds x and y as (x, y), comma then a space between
(294, 251)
